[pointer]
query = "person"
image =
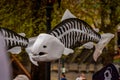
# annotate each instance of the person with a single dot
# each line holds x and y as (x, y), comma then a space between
(81, 77)
(63, 77)
(21, 77)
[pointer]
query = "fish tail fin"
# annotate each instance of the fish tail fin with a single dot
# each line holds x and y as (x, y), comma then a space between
(105, 39)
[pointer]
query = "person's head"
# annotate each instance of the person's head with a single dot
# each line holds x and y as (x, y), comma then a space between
(63, 75)
(82, 74)
(21, 77)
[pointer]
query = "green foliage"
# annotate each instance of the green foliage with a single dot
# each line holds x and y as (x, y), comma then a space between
(18, 16)
(86, 10)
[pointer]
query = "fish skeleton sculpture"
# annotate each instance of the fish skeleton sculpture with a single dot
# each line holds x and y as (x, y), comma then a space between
(68, 34)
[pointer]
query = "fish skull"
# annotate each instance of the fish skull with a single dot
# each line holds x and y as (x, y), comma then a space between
(46, 48)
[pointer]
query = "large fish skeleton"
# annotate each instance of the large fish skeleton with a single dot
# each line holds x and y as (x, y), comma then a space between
(68, 34)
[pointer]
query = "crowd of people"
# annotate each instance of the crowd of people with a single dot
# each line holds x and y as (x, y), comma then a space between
(80, 77)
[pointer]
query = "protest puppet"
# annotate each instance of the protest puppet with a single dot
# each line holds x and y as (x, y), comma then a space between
(71, 32)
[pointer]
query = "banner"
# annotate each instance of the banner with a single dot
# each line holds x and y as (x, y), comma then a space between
(108, 72)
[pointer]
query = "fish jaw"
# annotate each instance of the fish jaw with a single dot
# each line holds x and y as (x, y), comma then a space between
(32, 60)
(45, 58)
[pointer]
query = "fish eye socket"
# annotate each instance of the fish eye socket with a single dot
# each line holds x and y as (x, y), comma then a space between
(44, 46)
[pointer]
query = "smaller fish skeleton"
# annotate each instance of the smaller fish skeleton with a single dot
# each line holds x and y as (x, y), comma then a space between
(13, 41)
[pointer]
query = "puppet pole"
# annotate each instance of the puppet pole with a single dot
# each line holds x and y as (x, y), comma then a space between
(48, 18)
(21, 66)
(42, 72)
(59, 68)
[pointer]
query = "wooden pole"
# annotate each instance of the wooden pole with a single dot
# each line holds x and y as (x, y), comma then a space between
(59, 69)
(21, 66)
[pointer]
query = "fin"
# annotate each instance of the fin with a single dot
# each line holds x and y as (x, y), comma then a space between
(28, 50)
(22, 34)
(67, 51)
(31, 41)
(105, 39)
(88, 45)
(96, 30)
(15, 50)
(67, 14)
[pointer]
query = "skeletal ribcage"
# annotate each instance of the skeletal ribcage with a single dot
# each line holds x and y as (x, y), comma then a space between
(74, 31)
(12, 39)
